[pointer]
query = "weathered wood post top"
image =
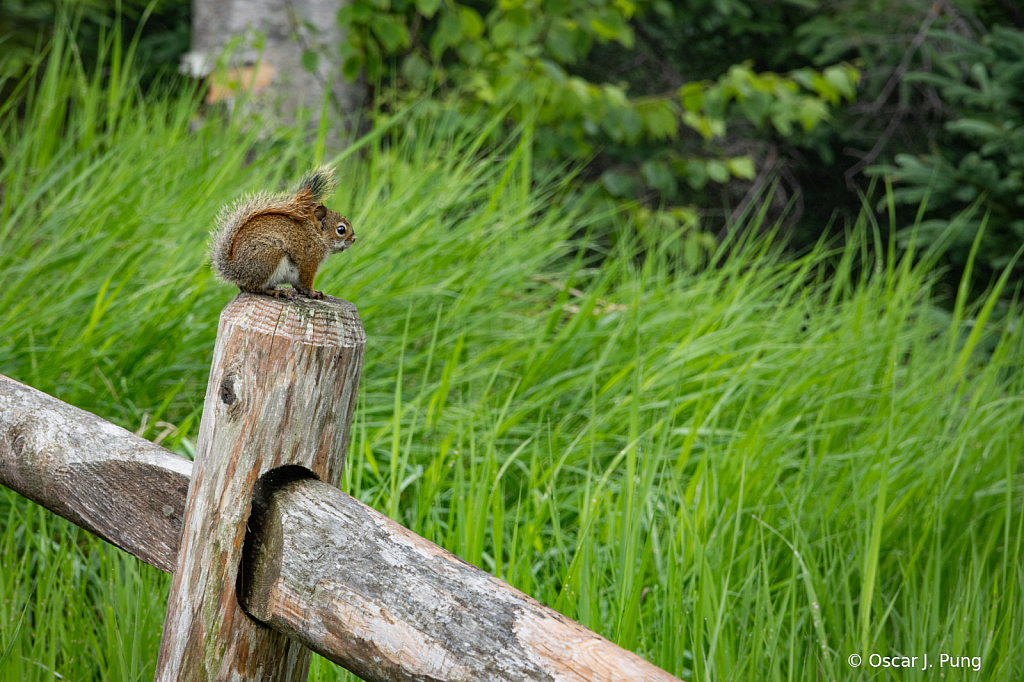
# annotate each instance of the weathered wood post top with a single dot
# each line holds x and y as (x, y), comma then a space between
(282, 393)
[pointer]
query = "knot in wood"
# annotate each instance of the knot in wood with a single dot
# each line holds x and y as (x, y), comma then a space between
(227, 390)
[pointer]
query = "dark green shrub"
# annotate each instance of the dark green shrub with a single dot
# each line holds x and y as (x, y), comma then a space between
(25, 25)
(653, 152)
(979, 156)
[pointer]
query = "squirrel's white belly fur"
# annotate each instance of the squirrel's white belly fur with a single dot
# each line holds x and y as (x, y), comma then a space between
(286, 272)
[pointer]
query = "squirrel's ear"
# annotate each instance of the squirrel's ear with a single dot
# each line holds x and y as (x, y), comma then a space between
(320, 212)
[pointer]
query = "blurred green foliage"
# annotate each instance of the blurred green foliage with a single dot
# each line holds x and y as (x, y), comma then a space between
(27, 26)
(650, 152)
(687, 112)
(686, 116)
(980, 155)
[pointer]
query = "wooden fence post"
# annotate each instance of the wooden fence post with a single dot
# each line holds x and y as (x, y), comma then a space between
(282, 392)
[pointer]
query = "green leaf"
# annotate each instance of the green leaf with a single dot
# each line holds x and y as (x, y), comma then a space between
(348, 48)
(706, 126)
(627, 7)
(374, 63)
(840, 78)
(691, 95)
(615, 95)
(416, 70)
(390, 31)
(503, 33)
(782, 119)
(344, 16)
(718, 171)
(812, 112)
(559, 44)
(664, 8)
(619, 184)
(361, 12)
(689, 217)
(970, 127)
(632, 125)
(611, 26)
(519, 17)
(472, 24)
(660, 119)
(826, 90)
(554, 72)
(756, 107)
(427, 7)
(804, 77)
(602, 29)
(448, 33)
(612, 125)
(471, 52)
(659, 176)
(310, 59)
(741, 167)
(351, 67)
(695, 171)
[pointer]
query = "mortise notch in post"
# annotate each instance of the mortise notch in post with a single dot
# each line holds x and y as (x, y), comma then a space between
(282, 393)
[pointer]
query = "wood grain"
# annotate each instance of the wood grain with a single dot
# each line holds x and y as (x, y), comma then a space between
(379, 600)
(99, 476)
(282, 392)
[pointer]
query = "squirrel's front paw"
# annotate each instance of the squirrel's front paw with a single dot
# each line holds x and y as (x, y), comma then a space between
(280, 293)
(310, 293)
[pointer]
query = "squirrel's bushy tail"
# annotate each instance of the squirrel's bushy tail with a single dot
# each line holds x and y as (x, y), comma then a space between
(232, 218)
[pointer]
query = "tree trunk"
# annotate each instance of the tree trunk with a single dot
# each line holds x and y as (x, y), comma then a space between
(292, 27)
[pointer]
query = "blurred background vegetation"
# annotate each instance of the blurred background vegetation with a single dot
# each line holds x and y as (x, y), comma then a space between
(688, 116)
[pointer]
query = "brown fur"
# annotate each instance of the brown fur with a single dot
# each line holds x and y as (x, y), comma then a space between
(263, 240)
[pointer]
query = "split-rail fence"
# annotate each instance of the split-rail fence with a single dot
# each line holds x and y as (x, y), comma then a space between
(271, 561)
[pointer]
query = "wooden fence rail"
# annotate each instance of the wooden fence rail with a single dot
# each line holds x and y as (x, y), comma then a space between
(99, 476)
(317, 570)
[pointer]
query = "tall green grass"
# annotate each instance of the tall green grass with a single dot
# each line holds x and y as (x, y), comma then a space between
(748, 472)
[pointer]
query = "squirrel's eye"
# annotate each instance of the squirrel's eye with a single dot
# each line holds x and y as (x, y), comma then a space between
(341, 229)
